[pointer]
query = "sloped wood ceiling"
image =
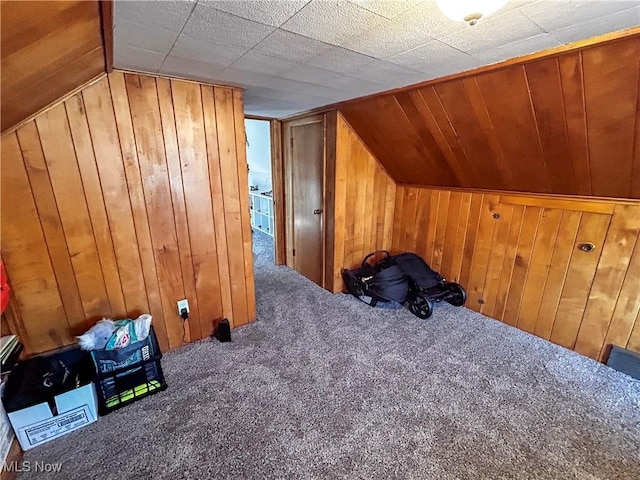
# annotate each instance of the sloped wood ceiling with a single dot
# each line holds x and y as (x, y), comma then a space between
(48, 50)
(563, 124)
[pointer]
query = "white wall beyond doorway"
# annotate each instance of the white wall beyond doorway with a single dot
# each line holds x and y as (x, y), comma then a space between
(259, 153)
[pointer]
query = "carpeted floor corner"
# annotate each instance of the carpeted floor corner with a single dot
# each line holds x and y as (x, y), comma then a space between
(325, 387)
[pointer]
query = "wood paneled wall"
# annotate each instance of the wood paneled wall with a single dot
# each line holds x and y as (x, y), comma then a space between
(364, 200)
(562, 124)
(48, 49)
(519, 259)
(123, 199)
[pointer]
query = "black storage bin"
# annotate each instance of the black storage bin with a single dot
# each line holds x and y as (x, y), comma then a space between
(128, 374)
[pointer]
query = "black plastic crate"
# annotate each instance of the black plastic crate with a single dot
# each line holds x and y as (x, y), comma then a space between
(126, 375)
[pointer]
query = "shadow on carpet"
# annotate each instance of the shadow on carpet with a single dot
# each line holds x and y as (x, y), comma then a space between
(325, 387)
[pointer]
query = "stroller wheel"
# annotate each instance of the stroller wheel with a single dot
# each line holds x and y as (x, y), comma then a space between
(457, 295)
(420, 306)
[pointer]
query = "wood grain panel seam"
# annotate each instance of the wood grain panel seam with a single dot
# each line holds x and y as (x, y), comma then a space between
(586, 120)
(512, 269)
(497, 145)
(365, 145)
(91, 220)
(636, 246)
(135, 229)
(44, 236)
(62, 99)
(533, 112)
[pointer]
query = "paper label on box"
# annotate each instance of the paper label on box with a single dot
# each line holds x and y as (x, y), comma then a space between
(56, 426)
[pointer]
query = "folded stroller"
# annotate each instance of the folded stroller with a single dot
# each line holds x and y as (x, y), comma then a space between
(405, 278)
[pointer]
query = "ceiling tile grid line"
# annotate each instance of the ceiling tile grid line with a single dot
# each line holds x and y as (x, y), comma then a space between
(179, 33)
(315, 52)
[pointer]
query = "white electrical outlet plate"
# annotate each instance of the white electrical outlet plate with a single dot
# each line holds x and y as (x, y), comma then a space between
(183, 304)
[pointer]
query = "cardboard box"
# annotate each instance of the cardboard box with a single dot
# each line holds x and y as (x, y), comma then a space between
(62, 413)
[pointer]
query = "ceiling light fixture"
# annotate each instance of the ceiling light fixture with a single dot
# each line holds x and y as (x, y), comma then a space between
(469, 11)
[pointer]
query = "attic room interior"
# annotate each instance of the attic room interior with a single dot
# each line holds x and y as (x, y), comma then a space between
(179, 294)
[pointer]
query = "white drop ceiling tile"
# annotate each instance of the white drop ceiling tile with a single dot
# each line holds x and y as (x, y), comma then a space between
(387, 39)
(127, 57)
(242, 78)
(185, 68)
(517, 49)
(270, 12)
(392, 75)
(255, 62)
(554, 15)
(313, 75)
(200, 51)
(331, 21)
(341, 60)
(143, 36)
(428, 18)
(494, 32)
(291, 46)
(387, 8)
(598, 26)
(443, 68)
(285, 85)
(221, 28)
(170, 15)
(422, 58)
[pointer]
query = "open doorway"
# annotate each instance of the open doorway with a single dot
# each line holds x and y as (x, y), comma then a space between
(261, 203)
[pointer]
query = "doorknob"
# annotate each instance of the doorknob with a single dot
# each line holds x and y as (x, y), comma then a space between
(317, 211)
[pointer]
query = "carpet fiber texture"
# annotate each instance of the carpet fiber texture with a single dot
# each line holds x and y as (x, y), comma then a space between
(325, 387)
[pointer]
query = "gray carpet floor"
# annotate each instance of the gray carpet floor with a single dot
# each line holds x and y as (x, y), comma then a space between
(325, 387)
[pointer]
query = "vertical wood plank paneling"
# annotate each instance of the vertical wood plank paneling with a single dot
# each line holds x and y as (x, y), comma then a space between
(340, 205)
(611, 100)
(112, 114)
(243, 180)
(582, 268)
(538, 268)
(110, 197)
(576, 119)
(64, 173)
(627, 307)
(362, 216)
(634, 340)
(526, 267)
(545, 89)
(397, 224)
(24, 251)
(440, 230)
(232, 205)
(123, 199)
(187, 103)
(217, 197)
(174, 171)
(50, 220)
(558, 269)
(496, 259)
(427, 209)
(95, 203)
(470, 238)
(461, 232)
(612, 268)
(455, 202)
(508, 263)
(390, 200)
(481, 250)
(152, 163)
